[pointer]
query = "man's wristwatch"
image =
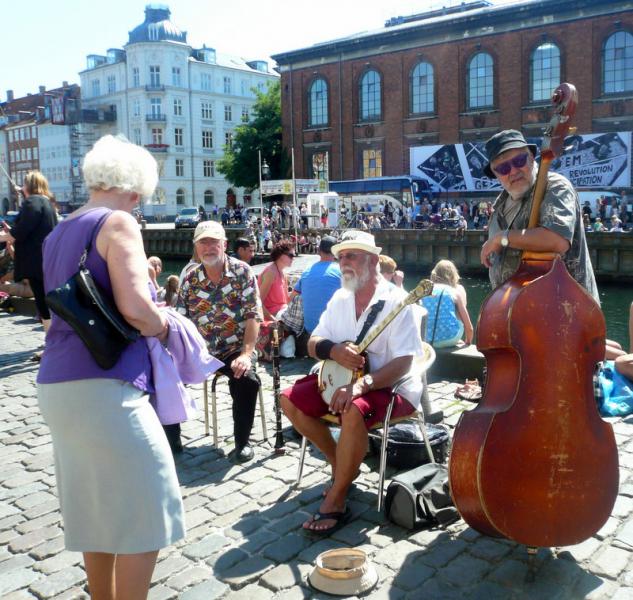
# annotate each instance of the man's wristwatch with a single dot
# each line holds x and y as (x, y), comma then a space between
(368, 380)
(505, 242)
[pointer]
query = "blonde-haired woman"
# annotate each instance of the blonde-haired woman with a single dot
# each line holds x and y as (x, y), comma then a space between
(116, 477)
(448, 321)
(35, 221)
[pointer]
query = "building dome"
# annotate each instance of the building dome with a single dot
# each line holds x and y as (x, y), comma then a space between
(157, 27)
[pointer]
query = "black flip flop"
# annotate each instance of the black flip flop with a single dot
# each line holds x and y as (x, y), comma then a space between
(340, 518)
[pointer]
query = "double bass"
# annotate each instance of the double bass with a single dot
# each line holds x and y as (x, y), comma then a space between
(534, 462)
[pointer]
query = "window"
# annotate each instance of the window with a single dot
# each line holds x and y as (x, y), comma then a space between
(228, 139)
(157, 136)
(178, 136)
(208, 168)
(480, 81)
(207, 138)
(180, 196)
(617, 67)
(372, 163)
(421, 86)
(137, 136)
(227, 85)
(317, 98)
(96, 87)
(154, 75)
(175, 76)
(111, 82)
(244, 87)
(228, 112)
(177, 107)
(33, 132)
(319, 165)
(180, 167)
(206, 83)
(208, 196)
(136, 107)
(27, 133)
(155, 104)
(206, 110)
(136, 78)
(370, 107)
(260, 87)
(245, 114)
(544, 71)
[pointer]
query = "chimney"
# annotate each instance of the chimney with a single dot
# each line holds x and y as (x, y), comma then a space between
(64, 84)
(9, 95)
(42, 89)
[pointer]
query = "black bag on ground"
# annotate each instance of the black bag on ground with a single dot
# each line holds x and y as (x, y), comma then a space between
(406, 448)
(93, 316)
(421, 497)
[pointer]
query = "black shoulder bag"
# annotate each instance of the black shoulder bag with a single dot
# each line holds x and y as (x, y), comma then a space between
(90, 312)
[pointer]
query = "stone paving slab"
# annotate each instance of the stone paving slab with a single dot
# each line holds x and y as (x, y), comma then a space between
(244, 521)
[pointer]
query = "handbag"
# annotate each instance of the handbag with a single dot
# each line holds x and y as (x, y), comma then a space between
(91, 313)
(421, 497)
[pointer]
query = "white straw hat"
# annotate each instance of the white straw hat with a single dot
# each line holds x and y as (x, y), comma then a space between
(343, 572)
(358, 240)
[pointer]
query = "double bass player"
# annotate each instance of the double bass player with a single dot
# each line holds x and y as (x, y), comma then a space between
(512, 162)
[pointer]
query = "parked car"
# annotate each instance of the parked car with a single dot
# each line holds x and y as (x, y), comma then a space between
(188, 217)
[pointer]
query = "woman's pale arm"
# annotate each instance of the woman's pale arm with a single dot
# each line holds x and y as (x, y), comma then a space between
(462, 312)
(119, 242)
(265, 284)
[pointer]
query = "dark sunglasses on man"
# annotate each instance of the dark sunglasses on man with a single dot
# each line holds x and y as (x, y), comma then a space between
(518, 162)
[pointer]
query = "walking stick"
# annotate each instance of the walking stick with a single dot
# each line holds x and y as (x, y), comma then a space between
(279, 436)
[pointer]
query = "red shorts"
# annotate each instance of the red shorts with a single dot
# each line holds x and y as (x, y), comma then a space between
(305, 395)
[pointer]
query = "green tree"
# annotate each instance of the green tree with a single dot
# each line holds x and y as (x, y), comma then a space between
(263, 132)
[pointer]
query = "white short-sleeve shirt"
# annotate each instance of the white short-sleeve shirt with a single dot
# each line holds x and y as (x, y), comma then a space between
(401, 337)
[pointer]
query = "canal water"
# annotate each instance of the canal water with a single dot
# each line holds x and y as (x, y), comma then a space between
(615, 299)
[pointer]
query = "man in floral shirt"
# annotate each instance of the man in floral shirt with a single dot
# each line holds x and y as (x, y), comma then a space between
(222, 298)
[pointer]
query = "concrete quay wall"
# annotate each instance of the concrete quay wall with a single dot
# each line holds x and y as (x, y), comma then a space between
(611, 253)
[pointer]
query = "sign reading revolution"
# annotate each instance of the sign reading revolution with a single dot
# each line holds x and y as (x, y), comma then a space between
(597, 160)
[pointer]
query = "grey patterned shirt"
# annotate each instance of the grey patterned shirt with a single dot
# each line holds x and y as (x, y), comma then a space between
(560, 213)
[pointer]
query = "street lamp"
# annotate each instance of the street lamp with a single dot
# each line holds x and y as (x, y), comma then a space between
(263, 173)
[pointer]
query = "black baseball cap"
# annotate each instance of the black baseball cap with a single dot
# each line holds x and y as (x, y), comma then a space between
(503, 141)
(327, 241)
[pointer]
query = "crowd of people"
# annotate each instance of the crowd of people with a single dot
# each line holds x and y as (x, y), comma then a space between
(109, 428)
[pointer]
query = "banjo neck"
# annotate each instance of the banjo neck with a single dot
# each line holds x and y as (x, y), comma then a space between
(424, 288)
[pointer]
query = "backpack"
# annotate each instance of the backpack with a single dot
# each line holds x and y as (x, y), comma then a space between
(421, 497)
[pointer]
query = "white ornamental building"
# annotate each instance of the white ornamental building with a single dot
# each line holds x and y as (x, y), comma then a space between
(181, 103)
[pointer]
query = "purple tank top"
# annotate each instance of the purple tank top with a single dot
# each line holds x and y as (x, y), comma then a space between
(65, 357)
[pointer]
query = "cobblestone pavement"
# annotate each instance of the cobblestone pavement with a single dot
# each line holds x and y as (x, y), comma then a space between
(244, 522)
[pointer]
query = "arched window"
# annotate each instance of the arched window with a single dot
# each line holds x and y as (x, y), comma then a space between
(544, 71)
(480, 81)
(208, 197)
(421, 86)
(617, 63)
(318, 103)
(180, 196)
(370, 108)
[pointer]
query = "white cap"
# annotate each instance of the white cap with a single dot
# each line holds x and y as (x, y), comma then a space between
(209, 229)
(356, 239)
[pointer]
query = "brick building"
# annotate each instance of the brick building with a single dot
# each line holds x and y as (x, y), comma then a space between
(454, 76)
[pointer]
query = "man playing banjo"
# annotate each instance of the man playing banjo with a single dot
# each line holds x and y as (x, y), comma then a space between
(362, 401)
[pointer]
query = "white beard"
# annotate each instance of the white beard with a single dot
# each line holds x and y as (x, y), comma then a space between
(212, 262)
(353, 282)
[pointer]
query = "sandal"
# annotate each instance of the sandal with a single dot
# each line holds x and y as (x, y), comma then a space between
(340, 519)
(470, 391)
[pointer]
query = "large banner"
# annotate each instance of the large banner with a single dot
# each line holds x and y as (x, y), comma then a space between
(597, 160)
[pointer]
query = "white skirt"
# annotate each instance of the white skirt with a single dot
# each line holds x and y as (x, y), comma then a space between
(116, 477)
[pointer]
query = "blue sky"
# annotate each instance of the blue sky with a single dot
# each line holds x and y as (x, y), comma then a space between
(48, 43)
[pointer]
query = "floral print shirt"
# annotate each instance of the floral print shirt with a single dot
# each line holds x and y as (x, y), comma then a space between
(560, 213)
(220, 311)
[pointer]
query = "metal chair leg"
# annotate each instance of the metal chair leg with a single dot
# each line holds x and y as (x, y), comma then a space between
(206, 407)
(383, 453)
(425, 436)
(262, 413)
(214, 409)
(302, 456)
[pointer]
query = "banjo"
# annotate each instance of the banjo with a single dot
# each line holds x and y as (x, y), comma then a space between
(332, 375)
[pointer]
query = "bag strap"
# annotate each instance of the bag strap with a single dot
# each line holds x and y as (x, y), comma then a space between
(437, 314)
(371, 317)
(91, 239)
